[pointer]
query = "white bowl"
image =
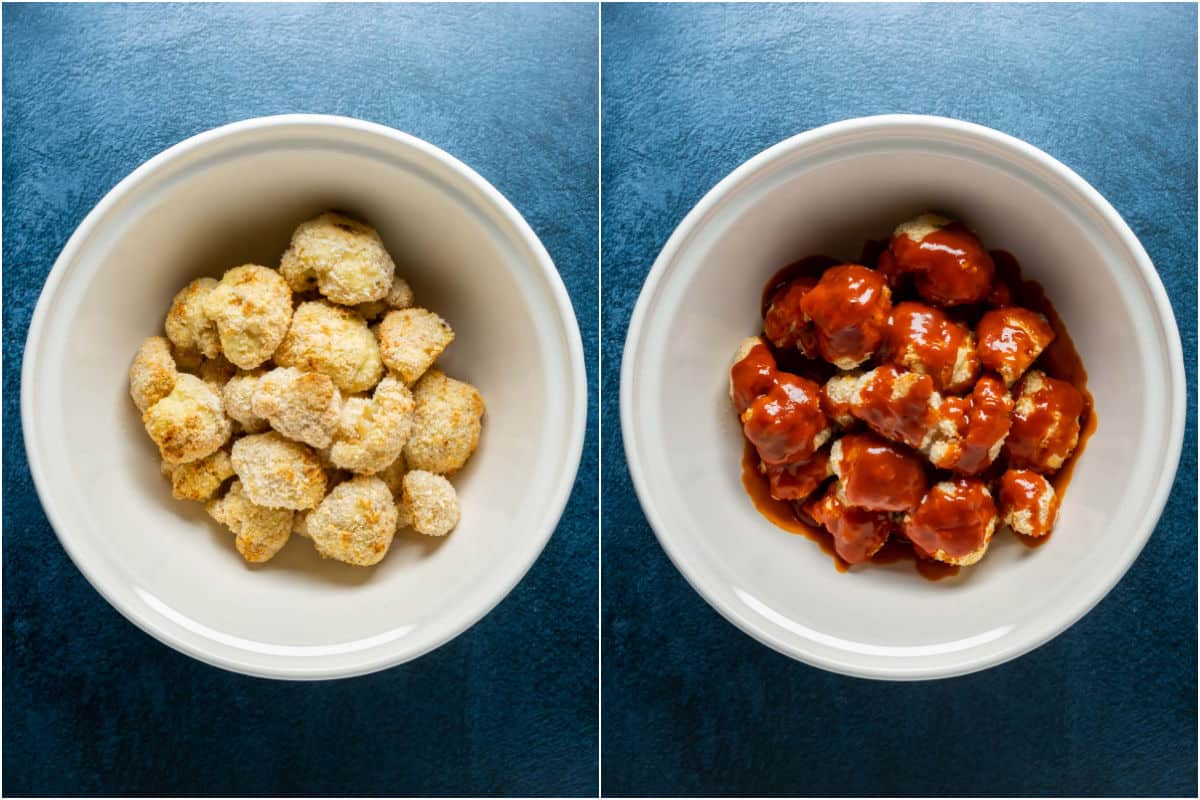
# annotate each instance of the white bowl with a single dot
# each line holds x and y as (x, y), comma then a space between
(825, 191)
(231, 196)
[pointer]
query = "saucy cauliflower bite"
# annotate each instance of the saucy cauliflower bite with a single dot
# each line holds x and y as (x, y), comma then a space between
(304, 406)
(858, 534)
(355, 523)
(152, 374)
(896, 404)
(261, 532)
(1045, 423)
(949, 264)
(344, 258)
(411, 339)
(372, 433)
(238, 395)
(430, 502)
(398, 297)
(954, 522)
(1011, 339)
(979, 424)
(798, 480)
(785, 324)
(876, 474)
(200, 479)
(276, 472)
(923, 339)
(447, 423)
(787, 424)
(252, 307)
(188, 326)
(837, 398)
(189, 423)
(1028, 503)
(849, 307)
(333, 341)
(752, 373)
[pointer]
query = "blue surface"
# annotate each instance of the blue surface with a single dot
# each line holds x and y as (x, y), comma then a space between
(94, 706)
(692, 705)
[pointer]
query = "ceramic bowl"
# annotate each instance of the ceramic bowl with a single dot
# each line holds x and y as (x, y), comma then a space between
(826, 191)
(232, 196)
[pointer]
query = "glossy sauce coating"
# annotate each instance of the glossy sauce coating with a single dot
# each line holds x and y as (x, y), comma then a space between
(878, 475)
(857, 533)
(849, 307)
(949, 265)
(785, 324)
(1046, 423)
(988, 423)
(953, 521)
(752, 376)
(923, 339)
(798, 480)
(1011, 339)
(1028, 502)
(895, 404)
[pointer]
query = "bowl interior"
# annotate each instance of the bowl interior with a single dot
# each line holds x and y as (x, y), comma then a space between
(685, 444)
(234, 200)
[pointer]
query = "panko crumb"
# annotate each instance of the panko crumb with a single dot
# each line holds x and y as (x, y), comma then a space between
(252, 307)
(301, 405)
(343, 258)
(189, 423)
(355, 523)
(153, 373)
(430, 502)
(300, 523)
(400, 296)
(216, 372)
(188, 326)
(393, 475)
(333, 341)
(238, 395)
(411, 339)
(199, 480)
(261, 532)
(447, 422)
(277, 472)
(372, 433)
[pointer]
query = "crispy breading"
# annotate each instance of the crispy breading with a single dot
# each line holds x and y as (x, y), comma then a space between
(152, 374)
(400, 296)
(277, 472)
(252, 307)
(344, 258)
(430, 502)
(447, 421)
(301, 405)
(200, 479)
(355, 523)
(411, 339)
(189, 423)
(333, 341)
(371, 433)
(261, 532)
(238, 395)
(188, 326)
(216, 372)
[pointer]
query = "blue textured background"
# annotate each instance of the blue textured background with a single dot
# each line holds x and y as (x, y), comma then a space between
(691, 705)
(93, 705)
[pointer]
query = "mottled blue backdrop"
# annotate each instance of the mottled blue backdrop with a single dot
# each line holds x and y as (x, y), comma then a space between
(692, 705)
(91, 704)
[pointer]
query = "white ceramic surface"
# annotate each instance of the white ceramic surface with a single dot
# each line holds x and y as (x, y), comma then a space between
(826, 191)
(231, 196)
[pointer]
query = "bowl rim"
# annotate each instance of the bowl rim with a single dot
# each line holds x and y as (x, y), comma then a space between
(891, 124)
(563, 311)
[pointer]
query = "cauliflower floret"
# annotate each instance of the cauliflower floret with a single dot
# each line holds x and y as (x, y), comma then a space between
(411, 339)
(430, 502)
(277, 472)
(849, 307)
(895, 404)
(342, 257)
(188, 326)
(400, 296)
(239, 401)
(1045, 423)
(152, 375)
(335, 342)
(216, 372)
(876, 474)
(301, 405)
(954, 522)
(447, 422)
(189, 423)
(252, 307)
(837, 397)
(199, 480)
(924, 339)
(858, 534)
(355, 523)
(393, 475)
(261, 532)
(371, 433)
(1028, 503)
(1011, 339)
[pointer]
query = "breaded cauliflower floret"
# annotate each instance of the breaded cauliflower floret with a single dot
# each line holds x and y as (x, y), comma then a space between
(400, 296)
(924, 339)
(355, 523)
(252, 307)
(189, 423)
(954, 522)
(411, 339)
(199, 480)
(393, 475)
(430, 502)
(1028, 503)
(277, 472)
(837, 397)
(216, 372)
(371, 433)
(301, 405)
(188, 326)
(238, 395)
(876, 474)
(342, 257)
(1045, 423)
(1011, 339)
(261, 532)
(447, 422)
(895, 403)
(152, 375)
(335, 342)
